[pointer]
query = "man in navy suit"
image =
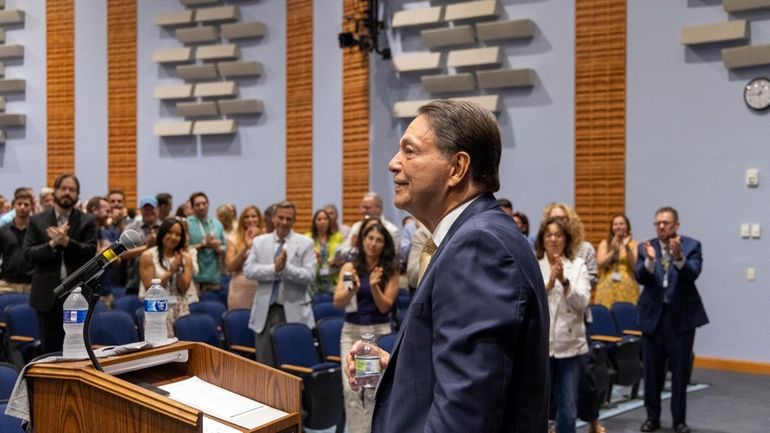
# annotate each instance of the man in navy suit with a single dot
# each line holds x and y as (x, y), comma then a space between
(669, 310)
(472, 353)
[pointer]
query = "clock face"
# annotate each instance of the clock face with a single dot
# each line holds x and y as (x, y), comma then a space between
(757, 94)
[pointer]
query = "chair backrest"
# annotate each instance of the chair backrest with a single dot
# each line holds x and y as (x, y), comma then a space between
(236, 327)
(322, 310)
(113, 328)
(209, 295)
(624, 314)
(329, 331)
(293, 344)
(10, 299)
(9, 424)
(602, 323)
(127, 303)
(100, 306)
(214, 309)
(118, 292)
(8, 376)
(323, 297)
(21, 319)
(387, 341)
(197, 327)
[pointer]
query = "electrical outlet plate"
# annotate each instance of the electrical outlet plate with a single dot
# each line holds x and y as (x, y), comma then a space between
(745, 230)
(751, 274)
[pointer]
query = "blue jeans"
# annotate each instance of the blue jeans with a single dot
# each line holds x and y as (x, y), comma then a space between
(565, 374)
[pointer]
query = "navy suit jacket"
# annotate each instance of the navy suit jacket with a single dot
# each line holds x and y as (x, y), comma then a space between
(472, 353)
(686, 308)
(47, 262)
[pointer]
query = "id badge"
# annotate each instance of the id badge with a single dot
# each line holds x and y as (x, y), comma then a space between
(324, 271)
(172, 299)
(616, 276)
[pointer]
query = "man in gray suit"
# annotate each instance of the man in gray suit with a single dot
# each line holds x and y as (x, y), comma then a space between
(284, 264)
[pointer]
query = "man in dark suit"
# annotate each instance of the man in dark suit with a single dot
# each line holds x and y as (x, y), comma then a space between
(669, 310)
(472, 353)
(57, 243)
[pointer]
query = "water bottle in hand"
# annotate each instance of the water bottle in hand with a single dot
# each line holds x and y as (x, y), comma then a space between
(367, 360)
(75, 310)
(155, 312)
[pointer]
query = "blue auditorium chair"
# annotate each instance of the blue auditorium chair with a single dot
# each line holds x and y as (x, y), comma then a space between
(238, 337)
(197, 327)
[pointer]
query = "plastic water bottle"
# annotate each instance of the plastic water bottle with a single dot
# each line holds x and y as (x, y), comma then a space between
(155, 312)
(75, 310)
(367, 360)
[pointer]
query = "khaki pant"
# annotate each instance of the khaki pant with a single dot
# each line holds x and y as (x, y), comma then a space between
(6, 287)
(359, 406)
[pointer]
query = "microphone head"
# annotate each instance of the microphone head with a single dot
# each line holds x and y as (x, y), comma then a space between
(131, 239)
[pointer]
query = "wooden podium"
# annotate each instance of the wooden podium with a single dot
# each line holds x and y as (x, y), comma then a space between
(75, 397)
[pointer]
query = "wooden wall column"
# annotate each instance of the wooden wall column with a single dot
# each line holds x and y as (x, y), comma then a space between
(355, 118)
(60, 79)
(299, 109)
(600, 113)
(121, 104)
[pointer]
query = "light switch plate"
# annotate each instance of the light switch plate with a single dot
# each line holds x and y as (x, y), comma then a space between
(745, 230)
(751, 274)
(755, 232)
(752, 177)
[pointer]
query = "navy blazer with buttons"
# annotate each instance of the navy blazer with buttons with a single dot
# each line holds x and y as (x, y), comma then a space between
(686, 308)
(472, 353)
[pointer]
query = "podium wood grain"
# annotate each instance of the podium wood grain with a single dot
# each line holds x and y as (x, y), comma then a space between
(75, 397)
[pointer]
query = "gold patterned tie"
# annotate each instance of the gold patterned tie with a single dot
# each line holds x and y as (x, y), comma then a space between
(425, 256)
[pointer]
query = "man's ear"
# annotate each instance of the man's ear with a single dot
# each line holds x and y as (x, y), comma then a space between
(460, 168)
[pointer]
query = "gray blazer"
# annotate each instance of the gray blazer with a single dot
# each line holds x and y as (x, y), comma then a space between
(294, 279)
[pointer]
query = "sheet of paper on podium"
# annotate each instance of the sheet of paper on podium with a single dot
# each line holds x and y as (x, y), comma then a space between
(221, 403)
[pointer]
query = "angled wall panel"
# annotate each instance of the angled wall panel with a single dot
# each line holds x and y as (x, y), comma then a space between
(194, 35)
(174, 91)
(239, 69)
(170, 129)
(447, 36)
(471, 10)
(254, 29)
(172, 55)
(737, 30)
(12, 119)
(180, 18)
(197, 109)
(417, 62)
(11, 16)
(11, 51)
(417, 17)
(12, 86)
(474, 57)
(502, 30)
(217, 14)
(217, 52)
(500, 78)
(240, 106)
(206, 71)
(214, 127)
(218, 88)
(743, 57)
(464, 82)
(732, 6)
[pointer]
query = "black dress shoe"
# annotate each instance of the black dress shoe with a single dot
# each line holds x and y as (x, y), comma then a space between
(650, 425)
(681, 428)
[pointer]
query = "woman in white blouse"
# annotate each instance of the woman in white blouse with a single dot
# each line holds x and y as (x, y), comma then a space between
(569, 291)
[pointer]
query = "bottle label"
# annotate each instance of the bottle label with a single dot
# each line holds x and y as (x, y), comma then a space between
(156, 306)
(74, 317)
(367, 365)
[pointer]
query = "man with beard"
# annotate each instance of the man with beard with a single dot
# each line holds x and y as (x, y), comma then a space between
(57, 243)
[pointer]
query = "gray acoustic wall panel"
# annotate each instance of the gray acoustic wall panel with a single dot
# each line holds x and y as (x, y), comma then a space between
(501, 30)
(206, 71)
(2, 103)
(217, 52)
(501, 78)
(217, 88)
(745, 5)
(239, 69)
(11, 51)
(474, 57)
(11, 16)
(12, 119)
(448, 83)
(170, 129)
(2, 36)
(448, 36)
(737, 30)
(743, 57)
(11, 86)
(254, 29)
(213, 127)
(414, 62)
(172, 55)
(217, 14)
(240, 106)
(417, 17)
(197, 109)
(471, 10)
(193, 35)
(2, 70)
(177, 18)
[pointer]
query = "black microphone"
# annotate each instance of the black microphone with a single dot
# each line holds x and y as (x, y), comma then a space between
(96, 266)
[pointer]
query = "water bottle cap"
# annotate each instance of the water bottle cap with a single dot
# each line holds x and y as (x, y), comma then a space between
(155, 281)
